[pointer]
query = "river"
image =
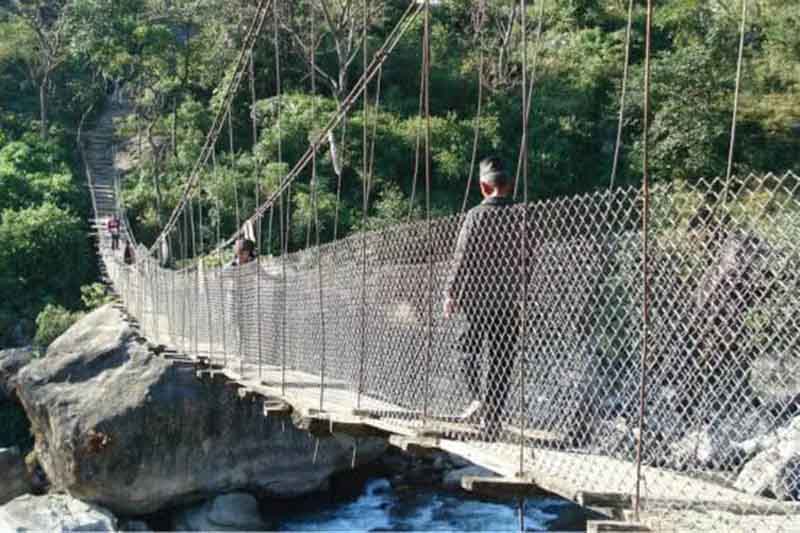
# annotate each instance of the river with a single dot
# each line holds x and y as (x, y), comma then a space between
(380, 506)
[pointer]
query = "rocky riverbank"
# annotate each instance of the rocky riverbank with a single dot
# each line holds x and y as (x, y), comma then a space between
(121, 433)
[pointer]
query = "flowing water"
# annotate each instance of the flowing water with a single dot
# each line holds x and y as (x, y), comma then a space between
(382, 507)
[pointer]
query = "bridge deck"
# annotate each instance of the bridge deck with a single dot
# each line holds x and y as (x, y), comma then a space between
(569, 474)
(568, 282)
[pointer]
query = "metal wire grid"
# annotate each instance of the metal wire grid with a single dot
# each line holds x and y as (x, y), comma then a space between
(722, 375)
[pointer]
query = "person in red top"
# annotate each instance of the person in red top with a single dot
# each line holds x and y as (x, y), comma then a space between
(113, 229)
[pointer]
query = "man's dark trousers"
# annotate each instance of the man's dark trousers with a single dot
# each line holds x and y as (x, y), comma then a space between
(500, 331)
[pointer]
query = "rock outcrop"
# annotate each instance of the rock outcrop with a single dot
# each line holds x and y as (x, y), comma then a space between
(11, 362)
(54, 513)
(121, 427)
(14, 475)
(228, 512)
(775, 378)
(775, 469)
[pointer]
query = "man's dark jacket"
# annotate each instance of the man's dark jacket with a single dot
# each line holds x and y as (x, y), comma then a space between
(486, 274)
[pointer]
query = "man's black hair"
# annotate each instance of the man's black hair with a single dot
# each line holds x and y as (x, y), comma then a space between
(247, 245)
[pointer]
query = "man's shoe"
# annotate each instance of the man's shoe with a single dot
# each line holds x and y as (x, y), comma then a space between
(473, 412)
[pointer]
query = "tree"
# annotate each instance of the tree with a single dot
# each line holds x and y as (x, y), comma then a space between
(46, 51)
(340, 33)
(35, 172)
(44, 257)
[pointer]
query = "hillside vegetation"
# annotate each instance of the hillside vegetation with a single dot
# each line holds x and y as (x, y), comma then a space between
(60, 58)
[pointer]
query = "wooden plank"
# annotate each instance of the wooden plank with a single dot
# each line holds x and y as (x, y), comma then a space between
(416, 446)
(247, 394)
(384, 413)
(208, 374)
(614, 500)
(276, 407)
(503, 487)
(326, 424)
(611, 526)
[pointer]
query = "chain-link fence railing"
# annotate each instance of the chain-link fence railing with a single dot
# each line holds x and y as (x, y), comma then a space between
(517, 331)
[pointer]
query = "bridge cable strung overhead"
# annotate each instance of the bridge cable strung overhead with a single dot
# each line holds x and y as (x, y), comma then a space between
(216, 128)
(378, 60)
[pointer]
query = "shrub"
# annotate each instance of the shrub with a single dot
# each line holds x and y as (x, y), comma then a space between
(94, 295)
(44, 258)
(51, 323)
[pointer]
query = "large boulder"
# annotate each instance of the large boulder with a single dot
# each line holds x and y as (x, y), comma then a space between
(55, 513)
(775, 469)
(14, 475)
(228, 512)
(118, 426)
(11, 362)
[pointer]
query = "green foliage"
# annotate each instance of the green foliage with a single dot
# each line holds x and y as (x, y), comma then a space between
(51, 322)
(33, 172)
(94, 295)
(175, 59)
(44, 257)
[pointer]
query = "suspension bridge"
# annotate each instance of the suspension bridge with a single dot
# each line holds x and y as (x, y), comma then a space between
(656, 418)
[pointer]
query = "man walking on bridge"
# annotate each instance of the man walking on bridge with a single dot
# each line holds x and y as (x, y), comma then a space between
(484, 283)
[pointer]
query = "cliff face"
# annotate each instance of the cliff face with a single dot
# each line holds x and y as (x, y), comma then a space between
(121, 427)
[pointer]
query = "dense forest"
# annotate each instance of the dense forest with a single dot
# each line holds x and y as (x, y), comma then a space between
(171, 59)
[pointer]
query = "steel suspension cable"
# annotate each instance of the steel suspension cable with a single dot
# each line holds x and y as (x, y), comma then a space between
(369, 167)
(284, 237)
(623, 94)
(645, 259)
(260, 221)
(224, 110)
(378, 59)
(529, 97)
(222, 285)
(476, 137)
(735, 101)
(315, 208)
(232, 153)
(185, 303)
(206, 288)
(524, 235)
(377, 106)
(426, 68)
(365, 206)
(418, 144)
(196, 316)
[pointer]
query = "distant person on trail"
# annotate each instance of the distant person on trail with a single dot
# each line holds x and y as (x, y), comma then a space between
(113, 227)
(128, 255)
(484, 284)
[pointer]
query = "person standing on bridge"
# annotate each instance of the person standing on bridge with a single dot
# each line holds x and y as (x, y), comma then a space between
(484, 284)
(244, 251)
(113, 227)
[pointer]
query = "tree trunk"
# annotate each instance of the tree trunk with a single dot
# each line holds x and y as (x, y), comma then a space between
(253, 100)
(157, 185)
(174, 126)
(43, 94)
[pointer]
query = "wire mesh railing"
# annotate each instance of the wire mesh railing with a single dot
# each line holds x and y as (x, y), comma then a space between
(421, 326)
